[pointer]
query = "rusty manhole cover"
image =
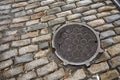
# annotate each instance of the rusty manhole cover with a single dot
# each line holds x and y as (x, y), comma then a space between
(76, 44)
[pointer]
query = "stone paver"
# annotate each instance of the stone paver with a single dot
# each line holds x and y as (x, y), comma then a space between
(107, 42)
(54, 10)
(47, 18)
(107, 34)
(42, 38)
(8, 54)
(44, 45)
(80, 9)
(114, 62)
(27, 49)
(56, 21)
(106, 8)
(74, 16)
(117, 30)
(42, 53)
(68, 7)
(79, 74)
(114, 50)
(105, 56)
(97, 5)
(90, 12)
(60, 73)
(112, 18)
(103, 14)
(83, 3)
(21, 19)
(13, 71)
(9, 38)
(117, 23)
(64, 13)
(4, 47)
(20, 4)
(28, 23)
(47, 69)
(109, 75)
(96, 22)
(5, 64)
(37, 26)
(95, 68)
(57, 4)
(24, 58)
(20, 43)
(36, 63)
(29, 35)
(91, 17)
(104, 27)
(27, 76)
(41, 9)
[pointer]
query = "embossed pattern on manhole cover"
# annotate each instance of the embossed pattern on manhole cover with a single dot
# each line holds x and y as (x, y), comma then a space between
(76, 44)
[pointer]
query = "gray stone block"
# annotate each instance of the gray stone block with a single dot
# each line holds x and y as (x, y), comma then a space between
(107, 34)
(47, 69)
(44, 45)
(117, 30)
(5, 64)
(56, 21)
(107, 42)
(112, 18)
(24, 58)
(54, 10)
(84, 2)
(68, 7)
(114, 62)
(57, 4)
(117, 23)
(4, 47)
(36, 63)
(12, 72)
(8, 54)
(56, 75)
(37, 26)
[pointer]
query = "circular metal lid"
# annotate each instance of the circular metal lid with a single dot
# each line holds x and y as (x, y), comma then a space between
(76, 43)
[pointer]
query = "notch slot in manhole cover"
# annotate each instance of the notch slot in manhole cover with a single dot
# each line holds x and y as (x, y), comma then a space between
(76, 43)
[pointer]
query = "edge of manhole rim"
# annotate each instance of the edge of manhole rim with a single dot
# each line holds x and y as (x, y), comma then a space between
(117, 3)
(87, 62)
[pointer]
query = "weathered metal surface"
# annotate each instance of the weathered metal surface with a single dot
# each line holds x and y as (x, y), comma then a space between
(76, 44)
(117, 2)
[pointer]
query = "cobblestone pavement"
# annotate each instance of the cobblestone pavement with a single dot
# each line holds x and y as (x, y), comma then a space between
(26, 28)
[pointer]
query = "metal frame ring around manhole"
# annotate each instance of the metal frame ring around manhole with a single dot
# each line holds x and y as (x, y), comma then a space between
(76, 44)
(117, 2)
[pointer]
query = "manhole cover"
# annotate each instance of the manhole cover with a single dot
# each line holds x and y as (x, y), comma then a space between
(76, 43)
